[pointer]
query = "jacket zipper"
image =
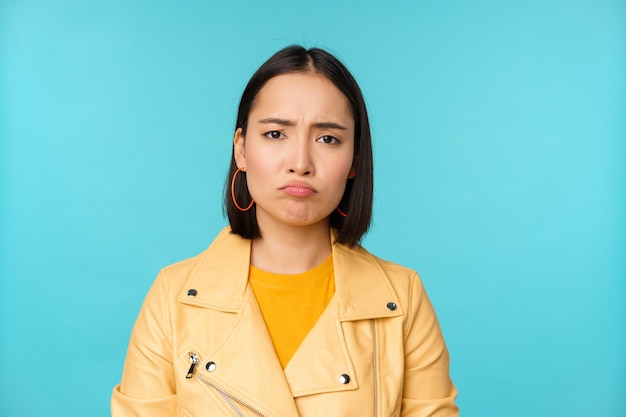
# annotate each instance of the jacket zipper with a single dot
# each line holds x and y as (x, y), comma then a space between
(374, 367)
(229, 398)
(194, 359)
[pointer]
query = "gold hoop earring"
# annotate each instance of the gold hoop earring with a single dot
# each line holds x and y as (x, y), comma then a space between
(232, 192)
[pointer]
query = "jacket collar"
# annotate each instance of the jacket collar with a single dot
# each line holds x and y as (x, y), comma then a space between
(221, 274)
(220, 279)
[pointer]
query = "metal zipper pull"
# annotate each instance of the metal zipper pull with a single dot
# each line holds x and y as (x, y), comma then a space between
(194, 361)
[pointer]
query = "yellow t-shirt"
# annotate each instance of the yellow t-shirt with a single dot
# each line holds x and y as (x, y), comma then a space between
(292, 303)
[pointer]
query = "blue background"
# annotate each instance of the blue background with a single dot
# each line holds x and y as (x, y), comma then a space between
(500, 154)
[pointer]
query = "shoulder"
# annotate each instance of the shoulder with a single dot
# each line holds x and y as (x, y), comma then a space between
(177, 273)
(374, 284)
(405, 281)
(419, 317)
(227, 255)
(395, 270)
(397, 274)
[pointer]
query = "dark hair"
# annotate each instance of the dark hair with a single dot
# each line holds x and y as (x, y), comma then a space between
(357, 198)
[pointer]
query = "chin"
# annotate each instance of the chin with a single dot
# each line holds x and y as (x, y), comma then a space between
(302, 219)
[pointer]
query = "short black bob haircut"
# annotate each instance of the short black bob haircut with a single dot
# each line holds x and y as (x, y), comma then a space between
(357, 198)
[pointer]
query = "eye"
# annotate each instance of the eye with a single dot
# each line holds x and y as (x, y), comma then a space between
(274, 134)
(330, 140)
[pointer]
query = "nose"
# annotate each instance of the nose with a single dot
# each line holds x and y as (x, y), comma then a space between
(300, 159)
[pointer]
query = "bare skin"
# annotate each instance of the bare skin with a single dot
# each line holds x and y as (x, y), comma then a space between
(297, 153)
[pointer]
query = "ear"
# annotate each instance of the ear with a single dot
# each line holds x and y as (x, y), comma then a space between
(239, 148)
(352, 172)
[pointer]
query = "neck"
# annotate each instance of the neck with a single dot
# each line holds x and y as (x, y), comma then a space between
(284, 249)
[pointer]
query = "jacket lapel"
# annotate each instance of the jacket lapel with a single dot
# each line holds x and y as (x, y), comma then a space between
(362, 292)
(362, 287)
(246, 365)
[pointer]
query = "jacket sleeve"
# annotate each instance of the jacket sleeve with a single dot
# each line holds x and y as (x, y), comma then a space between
(148, 388)
(428, 390)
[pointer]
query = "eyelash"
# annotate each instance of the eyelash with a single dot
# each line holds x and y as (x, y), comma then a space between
(277, 134)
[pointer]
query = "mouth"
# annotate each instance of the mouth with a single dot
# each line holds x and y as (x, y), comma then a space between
(298, 189)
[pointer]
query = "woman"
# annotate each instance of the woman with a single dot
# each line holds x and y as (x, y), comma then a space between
(285, 314)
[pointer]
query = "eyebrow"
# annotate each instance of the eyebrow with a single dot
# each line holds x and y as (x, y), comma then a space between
(285, 122)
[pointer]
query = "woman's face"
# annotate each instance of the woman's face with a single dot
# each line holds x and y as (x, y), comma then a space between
(298, 150)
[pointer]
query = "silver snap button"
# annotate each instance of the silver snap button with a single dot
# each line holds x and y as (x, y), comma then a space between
(392, 306)
(210, 366)
(344, 379)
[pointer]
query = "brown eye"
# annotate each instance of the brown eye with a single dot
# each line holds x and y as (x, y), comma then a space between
(274, 134)
(330, 140)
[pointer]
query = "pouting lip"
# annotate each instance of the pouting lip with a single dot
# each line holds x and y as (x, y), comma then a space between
(298, 184)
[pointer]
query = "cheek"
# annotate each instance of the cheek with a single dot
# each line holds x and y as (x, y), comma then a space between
(343, 164)
(258, 159)
(259, 170)
(339, 172)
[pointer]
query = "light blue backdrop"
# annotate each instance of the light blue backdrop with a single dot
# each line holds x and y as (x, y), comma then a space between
(500, 145)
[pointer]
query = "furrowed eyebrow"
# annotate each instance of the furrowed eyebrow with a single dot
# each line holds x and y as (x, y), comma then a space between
(277, 121)
(329, 125)
(284, 122)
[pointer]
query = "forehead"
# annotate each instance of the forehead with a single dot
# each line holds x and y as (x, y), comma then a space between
(299, 93)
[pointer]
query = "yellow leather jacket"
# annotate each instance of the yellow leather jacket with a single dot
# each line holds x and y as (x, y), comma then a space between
(200, 346)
